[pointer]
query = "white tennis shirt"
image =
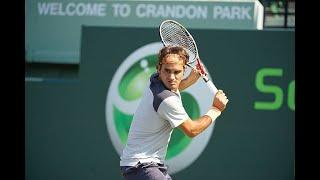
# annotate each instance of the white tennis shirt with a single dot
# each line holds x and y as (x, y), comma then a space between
(159, 111)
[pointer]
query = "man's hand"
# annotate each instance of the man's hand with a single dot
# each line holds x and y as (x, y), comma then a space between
(220, 101)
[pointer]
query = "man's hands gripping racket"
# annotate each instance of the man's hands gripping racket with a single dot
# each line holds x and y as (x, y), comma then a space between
(173, 33)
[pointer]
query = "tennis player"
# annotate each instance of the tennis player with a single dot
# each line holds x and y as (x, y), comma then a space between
(159, 111)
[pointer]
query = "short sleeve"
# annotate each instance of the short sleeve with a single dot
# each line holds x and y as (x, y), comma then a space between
(172, 110)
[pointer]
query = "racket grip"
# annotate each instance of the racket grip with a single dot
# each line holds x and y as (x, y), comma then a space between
(212, 87)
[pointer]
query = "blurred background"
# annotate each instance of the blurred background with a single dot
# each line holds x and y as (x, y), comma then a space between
(87, 62)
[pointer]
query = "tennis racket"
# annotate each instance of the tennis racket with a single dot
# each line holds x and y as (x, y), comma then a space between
(173, 33)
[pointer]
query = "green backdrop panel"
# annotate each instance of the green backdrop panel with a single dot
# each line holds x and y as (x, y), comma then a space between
(66, 132)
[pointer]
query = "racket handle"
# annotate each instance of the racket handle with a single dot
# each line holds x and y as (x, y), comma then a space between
(210, 85)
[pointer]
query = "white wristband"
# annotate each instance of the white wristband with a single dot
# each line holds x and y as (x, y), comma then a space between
(213, 113)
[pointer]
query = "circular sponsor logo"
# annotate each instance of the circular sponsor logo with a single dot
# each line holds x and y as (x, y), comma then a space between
(125, 91)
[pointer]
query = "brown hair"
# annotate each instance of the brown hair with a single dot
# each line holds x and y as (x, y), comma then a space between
(165, 51)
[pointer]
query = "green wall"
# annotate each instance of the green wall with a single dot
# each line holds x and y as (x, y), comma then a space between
(66, 133)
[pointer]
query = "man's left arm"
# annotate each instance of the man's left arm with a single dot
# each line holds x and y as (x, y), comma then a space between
(191, 79)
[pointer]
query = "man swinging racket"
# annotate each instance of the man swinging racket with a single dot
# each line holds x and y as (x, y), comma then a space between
(161, 110)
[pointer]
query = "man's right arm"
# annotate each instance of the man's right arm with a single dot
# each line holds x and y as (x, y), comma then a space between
(193, 128)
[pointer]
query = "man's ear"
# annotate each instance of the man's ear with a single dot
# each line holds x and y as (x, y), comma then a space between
(158, 67)
(184, 68)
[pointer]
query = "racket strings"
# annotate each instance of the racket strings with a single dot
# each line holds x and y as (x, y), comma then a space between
(173, 34)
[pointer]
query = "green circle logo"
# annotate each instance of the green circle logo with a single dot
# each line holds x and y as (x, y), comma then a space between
(126, 89)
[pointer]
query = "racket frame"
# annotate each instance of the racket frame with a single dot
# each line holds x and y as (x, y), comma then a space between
(203, 74)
